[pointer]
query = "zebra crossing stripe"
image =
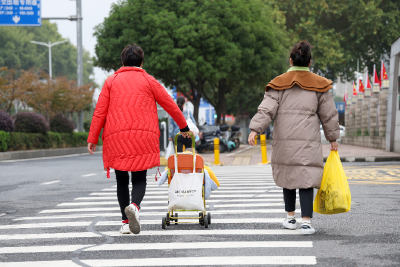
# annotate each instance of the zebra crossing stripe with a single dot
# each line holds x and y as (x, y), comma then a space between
(202, 232)
(158, 246)
(181, 261)
(97, 203)
(206, 261)
(166, 197)
(151, 213)
(142, 222)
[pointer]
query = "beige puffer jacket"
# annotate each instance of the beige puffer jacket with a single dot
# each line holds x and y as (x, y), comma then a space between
(297, 160)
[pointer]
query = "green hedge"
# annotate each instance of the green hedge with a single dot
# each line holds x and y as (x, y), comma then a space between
(31, 141)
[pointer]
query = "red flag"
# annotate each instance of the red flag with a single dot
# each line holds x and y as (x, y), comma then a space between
(368, 84)
(345, 96)
(376, 79)
(361, 87)
(383, 72)
(354, 89)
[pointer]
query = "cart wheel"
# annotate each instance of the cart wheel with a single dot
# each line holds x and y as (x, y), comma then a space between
(201, 219)
(176, 220)
(163, 222)
(209, 218)
(206, 221)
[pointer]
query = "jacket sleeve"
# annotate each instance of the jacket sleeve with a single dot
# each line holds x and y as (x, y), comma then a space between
(266, 112)
(166, 102)
(100, 113)
(328, 116)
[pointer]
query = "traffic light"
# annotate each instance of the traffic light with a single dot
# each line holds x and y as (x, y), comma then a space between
(215, 116)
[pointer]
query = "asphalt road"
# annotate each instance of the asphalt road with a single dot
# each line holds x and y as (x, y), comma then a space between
(35, 228)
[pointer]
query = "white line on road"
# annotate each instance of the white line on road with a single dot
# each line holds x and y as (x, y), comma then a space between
(90, 174)
(52, 182)
(149, 213)
(3, 214)
(144, 208)
(214, 192)
(94, 203)
(205, 261)
(171, 232)
(159, 246)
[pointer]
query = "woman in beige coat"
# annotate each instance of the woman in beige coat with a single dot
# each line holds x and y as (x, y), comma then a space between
(298, 101)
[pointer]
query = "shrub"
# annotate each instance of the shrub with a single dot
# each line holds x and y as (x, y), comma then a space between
(29, 122)
(4, 140)
(61, 124)
(26, 141)
(6, 122)
(86, 125)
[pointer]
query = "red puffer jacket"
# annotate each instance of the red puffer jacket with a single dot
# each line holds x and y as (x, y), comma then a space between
(128, 112)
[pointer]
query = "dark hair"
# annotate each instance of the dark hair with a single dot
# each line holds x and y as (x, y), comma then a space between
(180, 101)
(301, 54)
(132, 56)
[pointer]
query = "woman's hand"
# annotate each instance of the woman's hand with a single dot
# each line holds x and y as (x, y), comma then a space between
(252, 136)
(187, 134)
(334, 146)
(91, 148)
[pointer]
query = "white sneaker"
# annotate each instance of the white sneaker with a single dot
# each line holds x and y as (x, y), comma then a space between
(307, 229)
(290, 223)
(125, 229)
(133, 215)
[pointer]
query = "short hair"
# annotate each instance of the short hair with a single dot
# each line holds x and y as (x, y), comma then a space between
(301, 54)
(132, 56)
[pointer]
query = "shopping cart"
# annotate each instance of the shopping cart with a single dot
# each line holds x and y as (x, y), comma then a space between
(185, 165)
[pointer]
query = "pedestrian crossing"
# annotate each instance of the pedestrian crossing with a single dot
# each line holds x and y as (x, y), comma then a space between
(246, 229)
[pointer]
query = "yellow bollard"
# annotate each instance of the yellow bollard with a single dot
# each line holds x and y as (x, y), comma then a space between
(216, 151)
(263, 141)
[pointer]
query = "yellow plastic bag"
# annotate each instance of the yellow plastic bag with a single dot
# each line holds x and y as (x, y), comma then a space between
(334, 195)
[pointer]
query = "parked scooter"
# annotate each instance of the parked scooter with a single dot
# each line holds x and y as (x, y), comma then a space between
(207, 135)
(228, 140)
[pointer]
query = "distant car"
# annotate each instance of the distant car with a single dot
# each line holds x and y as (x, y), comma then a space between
(342, 133)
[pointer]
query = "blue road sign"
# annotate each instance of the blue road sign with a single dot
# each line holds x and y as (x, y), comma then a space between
(20, 13)
(340, 106)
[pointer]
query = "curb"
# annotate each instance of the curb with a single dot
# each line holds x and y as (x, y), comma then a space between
(30, 154)
(368, 159)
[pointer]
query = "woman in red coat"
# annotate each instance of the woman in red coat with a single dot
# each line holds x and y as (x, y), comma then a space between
(127, 111)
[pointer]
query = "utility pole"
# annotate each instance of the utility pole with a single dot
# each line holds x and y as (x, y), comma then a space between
(79, 47)
(80, 55)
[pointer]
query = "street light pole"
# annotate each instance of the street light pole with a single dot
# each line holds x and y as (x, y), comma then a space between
(80, 55)
(49, 45)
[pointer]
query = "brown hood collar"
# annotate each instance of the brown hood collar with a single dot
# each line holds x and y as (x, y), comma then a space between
(305, 79)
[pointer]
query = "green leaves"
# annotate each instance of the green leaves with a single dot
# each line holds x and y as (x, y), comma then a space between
(343, 31)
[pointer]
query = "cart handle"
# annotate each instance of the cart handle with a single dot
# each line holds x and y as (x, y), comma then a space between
(193, 143)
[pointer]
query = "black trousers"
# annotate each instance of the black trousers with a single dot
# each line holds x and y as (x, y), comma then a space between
(306, 201)
(139, 183)
(183, 141)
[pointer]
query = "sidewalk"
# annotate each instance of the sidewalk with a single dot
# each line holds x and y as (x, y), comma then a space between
(247, 155)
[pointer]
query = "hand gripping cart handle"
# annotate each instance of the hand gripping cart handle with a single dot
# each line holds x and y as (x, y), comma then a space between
(186, 163)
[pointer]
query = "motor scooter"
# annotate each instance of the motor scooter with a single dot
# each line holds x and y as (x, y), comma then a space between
(207, 135)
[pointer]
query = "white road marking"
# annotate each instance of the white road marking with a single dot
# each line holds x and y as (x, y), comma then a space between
(163, 201)
(158, 246)
(212, 196)
(206, 261)
(52, 182)
(90, 174)
(202, 232)
(166, 197)
(151, 213)
(3, 214)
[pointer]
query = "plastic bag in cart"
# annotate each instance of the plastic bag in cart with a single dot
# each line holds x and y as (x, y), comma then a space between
(169, 150)
(334, 195)
(185, 191)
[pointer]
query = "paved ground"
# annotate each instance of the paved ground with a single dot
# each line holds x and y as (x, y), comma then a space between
(247, 155)
(63, 212)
